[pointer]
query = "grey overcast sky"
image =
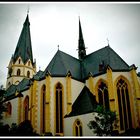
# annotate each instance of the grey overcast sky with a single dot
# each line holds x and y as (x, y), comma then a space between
(53, 24)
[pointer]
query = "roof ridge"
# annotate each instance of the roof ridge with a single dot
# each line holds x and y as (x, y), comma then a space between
(69, 55)
(96, 51)
(62, 60)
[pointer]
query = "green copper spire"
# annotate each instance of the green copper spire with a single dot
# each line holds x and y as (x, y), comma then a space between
(24, 47)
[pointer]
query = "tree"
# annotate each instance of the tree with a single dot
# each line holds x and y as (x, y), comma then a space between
(4, 129)
(2, 105)
(25, 128)
(104, 121)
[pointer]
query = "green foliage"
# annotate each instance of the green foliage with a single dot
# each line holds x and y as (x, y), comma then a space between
(2, 104)
(104, 121)
(23, 129)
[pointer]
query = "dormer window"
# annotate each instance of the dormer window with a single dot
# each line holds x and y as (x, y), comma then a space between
(19, 61)
(101, 66)
(28, 74)
(18, 72)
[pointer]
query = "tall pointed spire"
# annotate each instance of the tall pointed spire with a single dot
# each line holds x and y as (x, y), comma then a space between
(24, 47)
(81, 44)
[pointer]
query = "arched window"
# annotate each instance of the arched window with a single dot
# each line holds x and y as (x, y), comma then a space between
(28, 74)
(26, 108)
(124, 105)
(42, 117)
(103, 95)
(9, 108)
(78, 128)
(19, 61)
(18, 72)
(59, 109)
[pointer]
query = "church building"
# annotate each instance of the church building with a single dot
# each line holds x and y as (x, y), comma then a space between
(61, 99)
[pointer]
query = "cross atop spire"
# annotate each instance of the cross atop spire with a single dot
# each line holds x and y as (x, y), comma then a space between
(107, 41)
(81, 44)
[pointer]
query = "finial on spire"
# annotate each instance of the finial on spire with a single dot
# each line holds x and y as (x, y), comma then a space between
(58, 47)
(107, 41)
(28, 9)
(79, 17)
(39, 67)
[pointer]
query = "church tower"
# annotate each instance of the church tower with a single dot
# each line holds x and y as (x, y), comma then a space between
(81, 44)
(21, 64)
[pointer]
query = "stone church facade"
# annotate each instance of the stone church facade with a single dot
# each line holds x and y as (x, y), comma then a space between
(61, 99)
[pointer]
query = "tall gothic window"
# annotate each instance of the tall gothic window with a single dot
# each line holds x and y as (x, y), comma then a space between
(43, 93)
(18, 72)
(124, 105)
(59, 109)
(78, 128)
(103, 95)
(26, 108)
(9, 108)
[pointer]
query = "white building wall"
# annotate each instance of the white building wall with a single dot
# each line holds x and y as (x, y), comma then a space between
(69, 123)
(76, 88)
(13, 118)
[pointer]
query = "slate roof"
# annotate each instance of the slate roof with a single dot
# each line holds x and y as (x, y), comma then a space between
(105, 55)
(10, 92)
(23, 85)
(80, 69)
(38, 75)
(84, 103)
(63, 63)
(24, 47)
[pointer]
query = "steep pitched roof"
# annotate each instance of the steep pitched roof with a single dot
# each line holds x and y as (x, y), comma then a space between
(23, 85)
(24, 47)
(62, 63)
(85, 103)
(80, 69)
(38, 75)
(11, 91)
(105, 55)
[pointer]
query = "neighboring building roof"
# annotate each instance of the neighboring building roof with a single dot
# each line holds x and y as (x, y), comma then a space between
(24, 47)
(84, 103)
(63, 63)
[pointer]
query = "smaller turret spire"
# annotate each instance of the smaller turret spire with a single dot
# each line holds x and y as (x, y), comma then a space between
(81, 44)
